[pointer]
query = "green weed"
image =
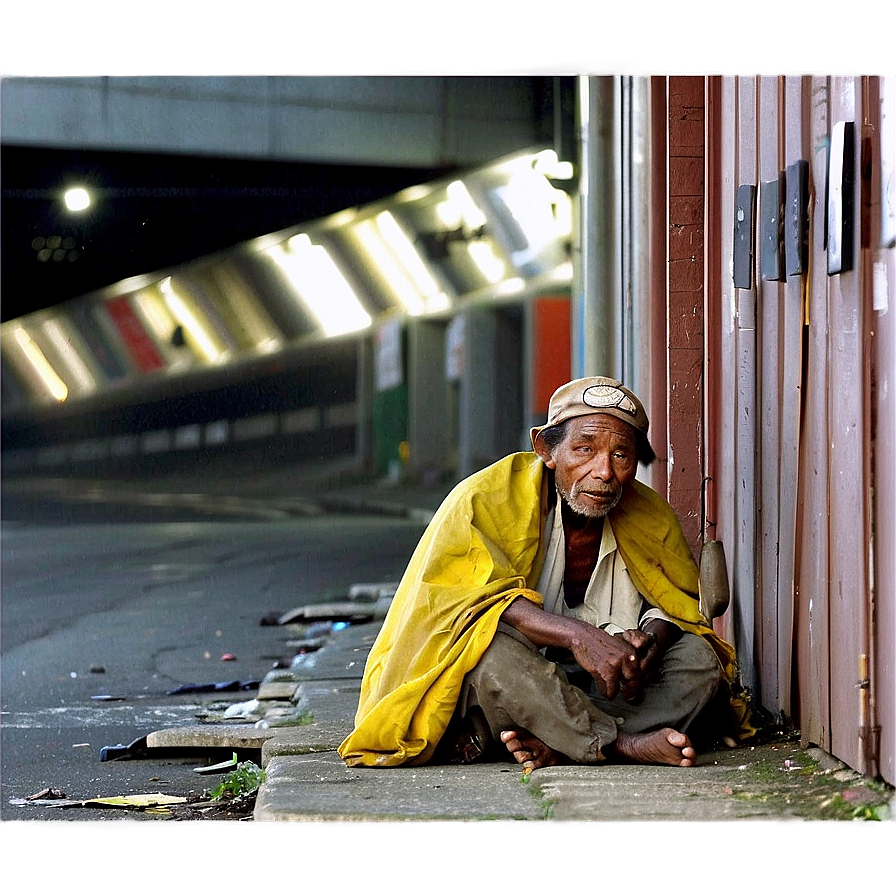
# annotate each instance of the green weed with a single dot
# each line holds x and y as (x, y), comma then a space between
(243, 781)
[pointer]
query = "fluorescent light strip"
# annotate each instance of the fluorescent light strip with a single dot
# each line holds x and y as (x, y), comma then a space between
(410, 260)
(191, 323)
(156, 313)
(388, 266)
(450, 214)
(547, 163)
(48, 376)
(563, 272)
(325, 289)
(321, 286)
(511, 287)
(80, 372)
(258, 327)
(528, 197)
(483, 254)
(472, 215)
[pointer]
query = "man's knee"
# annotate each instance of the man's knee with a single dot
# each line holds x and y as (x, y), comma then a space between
(692, 656)
(506, 662)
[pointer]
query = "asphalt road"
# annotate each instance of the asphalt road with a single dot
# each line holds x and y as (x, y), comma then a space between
(125, 602)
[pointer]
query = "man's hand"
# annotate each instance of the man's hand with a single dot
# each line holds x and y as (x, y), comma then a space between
(651, 645)
(610, 661)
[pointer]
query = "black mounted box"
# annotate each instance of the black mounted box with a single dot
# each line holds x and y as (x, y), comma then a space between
(744, 217)
(771, 229)
(841, 204)
(796, 219)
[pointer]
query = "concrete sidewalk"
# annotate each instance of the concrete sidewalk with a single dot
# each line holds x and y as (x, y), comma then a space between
(301, 715)
(307, 781)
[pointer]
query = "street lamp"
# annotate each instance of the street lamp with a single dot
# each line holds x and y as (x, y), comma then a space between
(77, 199)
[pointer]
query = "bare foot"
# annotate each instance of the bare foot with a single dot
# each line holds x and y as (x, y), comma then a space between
(664, 747)
(529, 751)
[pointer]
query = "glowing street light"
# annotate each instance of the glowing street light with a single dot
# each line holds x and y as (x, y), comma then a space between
(77, 199)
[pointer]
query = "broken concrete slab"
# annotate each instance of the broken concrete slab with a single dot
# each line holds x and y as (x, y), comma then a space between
(372, 590)
(330, 706)
(286, 716)
(246, 737)
(344, 611)
(277, 690)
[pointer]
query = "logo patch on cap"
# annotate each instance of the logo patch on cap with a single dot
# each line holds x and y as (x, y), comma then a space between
(609, 397)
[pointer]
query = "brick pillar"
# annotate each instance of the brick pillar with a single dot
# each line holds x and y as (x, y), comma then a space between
(684, 310)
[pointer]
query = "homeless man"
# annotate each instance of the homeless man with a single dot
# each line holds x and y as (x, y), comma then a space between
(551, 606)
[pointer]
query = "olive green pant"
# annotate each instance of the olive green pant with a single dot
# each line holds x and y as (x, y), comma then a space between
(515, 686)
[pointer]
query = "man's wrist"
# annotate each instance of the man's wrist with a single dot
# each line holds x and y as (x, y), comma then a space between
(662, 632)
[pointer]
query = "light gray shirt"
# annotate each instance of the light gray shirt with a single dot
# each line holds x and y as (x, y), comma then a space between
(611, 600)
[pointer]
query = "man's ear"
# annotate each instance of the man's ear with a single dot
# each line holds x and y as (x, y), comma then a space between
(542, 450)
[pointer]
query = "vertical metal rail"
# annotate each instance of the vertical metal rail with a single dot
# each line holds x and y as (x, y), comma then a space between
(813, 531)
(882, 112)
(792, 151)
(721, 419)
(769, 364)
(746, 410)
(868, 165)
(848, 473)
(638, 210)
(595, 295)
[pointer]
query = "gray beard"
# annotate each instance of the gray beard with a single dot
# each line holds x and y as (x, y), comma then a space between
(581, 507)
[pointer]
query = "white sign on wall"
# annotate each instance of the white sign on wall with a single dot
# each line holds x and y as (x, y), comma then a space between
(455, 336)
(389, 363)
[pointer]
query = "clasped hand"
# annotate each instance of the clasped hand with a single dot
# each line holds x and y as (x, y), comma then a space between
(619, 664)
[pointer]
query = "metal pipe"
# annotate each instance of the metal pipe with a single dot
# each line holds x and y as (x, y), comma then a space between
(597, 300)
(637, 355)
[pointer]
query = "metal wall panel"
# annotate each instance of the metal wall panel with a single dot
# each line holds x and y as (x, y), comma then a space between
(814, 544)
(769, 361)
(721, 293)
(744, 591)
(849, 411)
(884, 324)
(790, 375)
(791, 318)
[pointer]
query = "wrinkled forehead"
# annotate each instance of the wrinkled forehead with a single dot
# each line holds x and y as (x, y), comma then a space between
(601, 425)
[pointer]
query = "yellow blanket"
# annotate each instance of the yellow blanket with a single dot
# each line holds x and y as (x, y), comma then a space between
(481, 552)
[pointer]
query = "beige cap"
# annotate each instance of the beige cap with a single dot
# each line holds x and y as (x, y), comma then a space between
(595, 395)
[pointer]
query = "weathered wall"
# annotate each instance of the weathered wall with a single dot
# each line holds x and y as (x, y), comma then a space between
(798, 348)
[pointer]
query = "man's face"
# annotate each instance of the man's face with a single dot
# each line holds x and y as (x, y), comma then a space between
(594, 463)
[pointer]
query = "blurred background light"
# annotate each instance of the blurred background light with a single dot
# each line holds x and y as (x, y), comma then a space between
(77, 199)
(38, 361)
(321, 285)
(409, 258)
